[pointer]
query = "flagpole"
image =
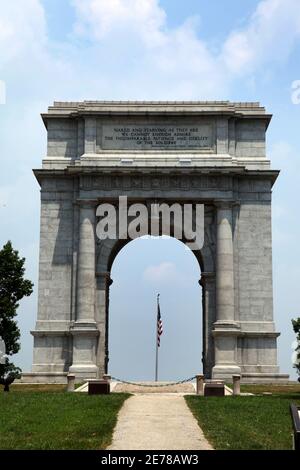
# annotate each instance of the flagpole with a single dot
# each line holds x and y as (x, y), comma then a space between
(156, 343)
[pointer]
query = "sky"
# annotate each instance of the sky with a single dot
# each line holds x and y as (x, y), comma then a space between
(150, 49)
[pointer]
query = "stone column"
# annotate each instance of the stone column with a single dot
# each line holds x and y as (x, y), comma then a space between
(225, 328)
(224, 265)
(103, 282)
(85, 332)
(208, 284)
(86, 265)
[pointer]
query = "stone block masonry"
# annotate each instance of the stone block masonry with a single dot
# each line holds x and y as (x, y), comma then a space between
(212, 153)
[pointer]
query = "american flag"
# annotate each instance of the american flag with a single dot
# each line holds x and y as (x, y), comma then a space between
(159, 324)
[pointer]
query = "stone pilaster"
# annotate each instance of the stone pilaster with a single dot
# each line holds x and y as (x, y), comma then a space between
(225, 329)
(90, 134)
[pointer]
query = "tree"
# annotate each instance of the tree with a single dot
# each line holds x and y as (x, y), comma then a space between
(13, 287)
(296, 328)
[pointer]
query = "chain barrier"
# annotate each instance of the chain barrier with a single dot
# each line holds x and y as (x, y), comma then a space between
(139, 384)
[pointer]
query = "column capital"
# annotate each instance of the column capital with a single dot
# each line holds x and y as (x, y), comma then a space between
(207, 277)
(225, 203)
(226, 328)
(86, 203)
(104, 278)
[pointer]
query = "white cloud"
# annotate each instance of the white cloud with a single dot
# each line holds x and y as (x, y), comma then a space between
(174, 63)
(163, 63)
(132, 36)
(164, 272)
(97, 18)
(269, 36)
(22, 27)
(157, 61)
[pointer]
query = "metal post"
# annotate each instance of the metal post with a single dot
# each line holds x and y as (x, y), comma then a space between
(156, 343)
(156, 363)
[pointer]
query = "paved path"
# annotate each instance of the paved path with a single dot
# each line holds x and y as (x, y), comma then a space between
(164, 387)
(157, 422)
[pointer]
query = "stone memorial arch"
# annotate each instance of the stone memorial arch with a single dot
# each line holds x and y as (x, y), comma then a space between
(210, 153)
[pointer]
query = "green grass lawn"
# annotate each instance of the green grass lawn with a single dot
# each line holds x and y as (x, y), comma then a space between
(246, 423)
(277, 389)
(271, 388)
(50, 420)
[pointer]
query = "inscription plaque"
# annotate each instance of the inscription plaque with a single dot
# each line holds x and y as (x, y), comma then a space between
(147, 137)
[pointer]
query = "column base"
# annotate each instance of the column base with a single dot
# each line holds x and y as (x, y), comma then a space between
(43, 378)
(84, 371)
(225, 335)
(85, 342)
(225, 371)
(264, 378)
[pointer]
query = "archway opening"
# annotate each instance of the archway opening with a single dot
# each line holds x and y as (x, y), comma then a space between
(141, 269)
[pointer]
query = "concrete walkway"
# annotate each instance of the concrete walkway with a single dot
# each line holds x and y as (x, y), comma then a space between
(157, 422)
